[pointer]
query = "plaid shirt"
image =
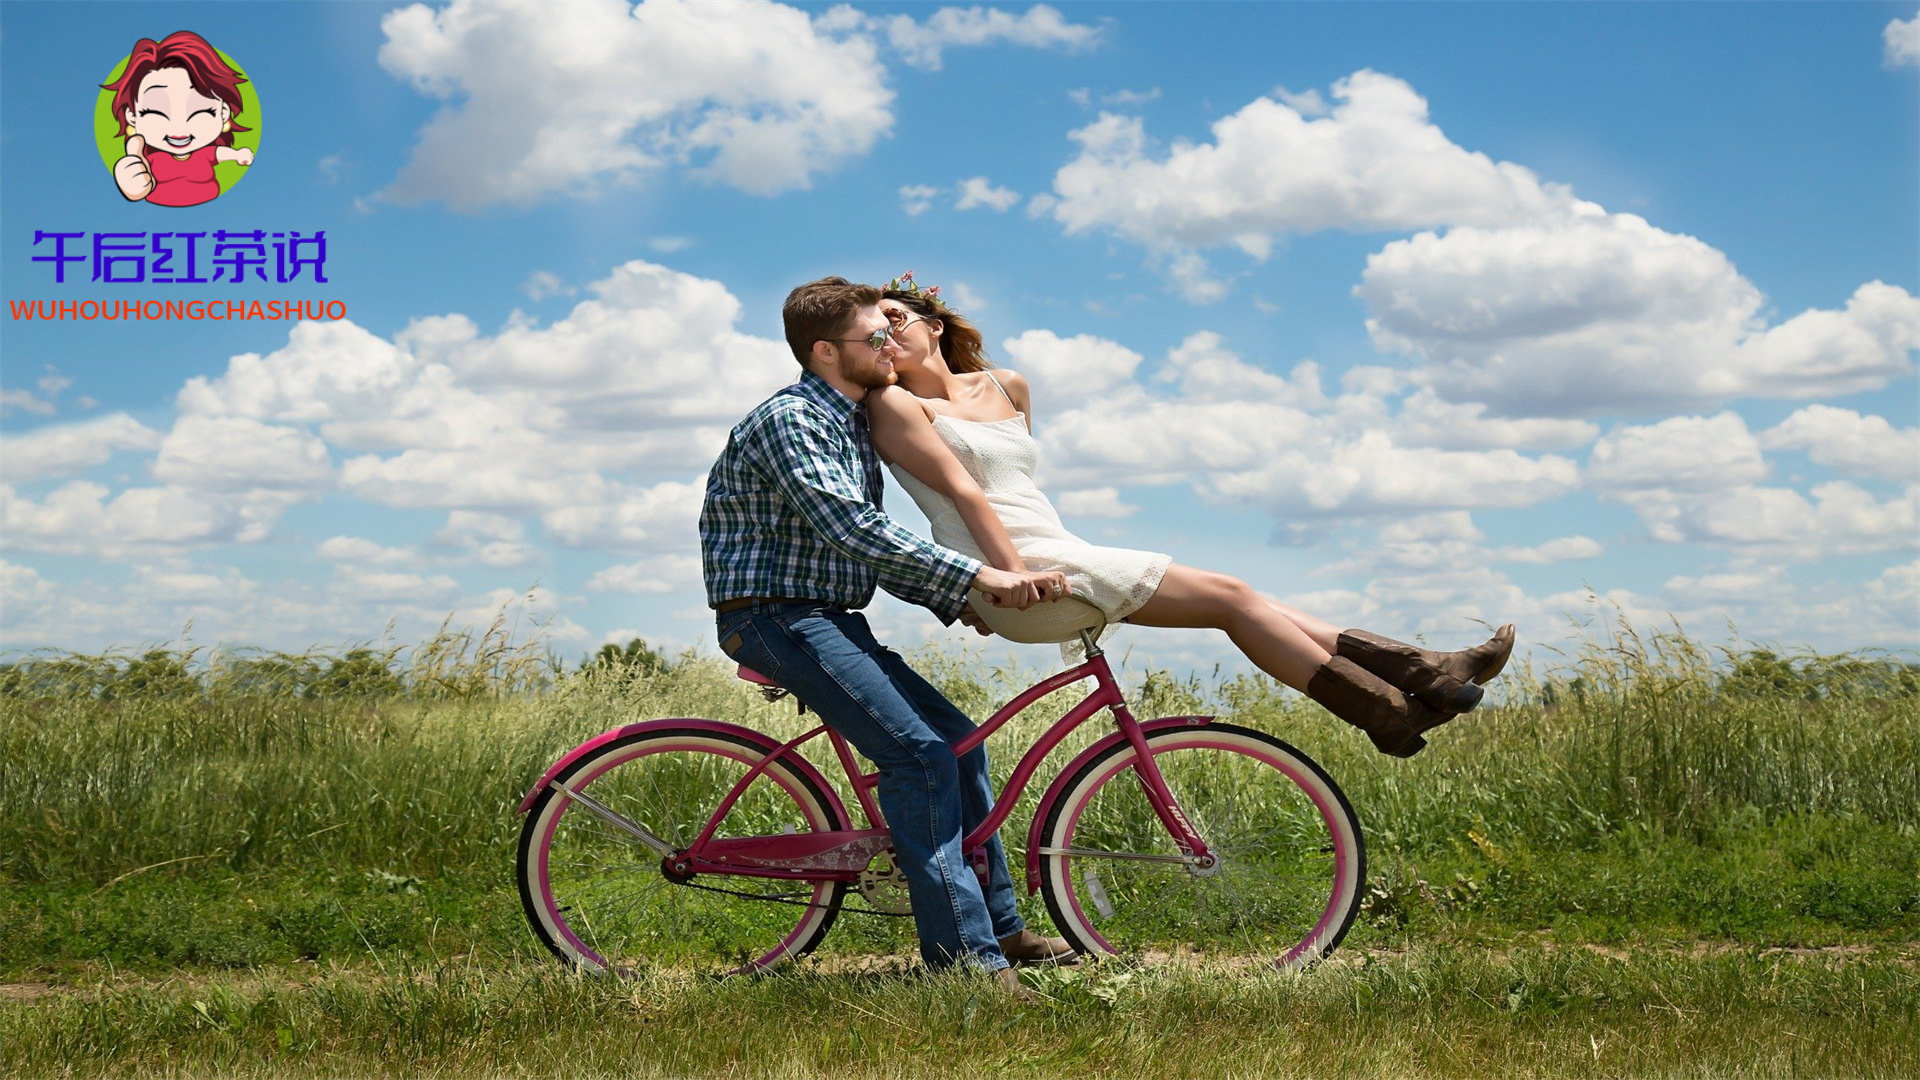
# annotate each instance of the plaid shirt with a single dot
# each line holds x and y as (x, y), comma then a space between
(793, 510)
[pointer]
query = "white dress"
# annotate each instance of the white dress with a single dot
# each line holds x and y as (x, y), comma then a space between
(1000, 455)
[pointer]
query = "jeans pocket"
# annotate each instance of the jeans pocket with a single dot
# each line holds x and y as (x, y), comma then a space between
(742, 643)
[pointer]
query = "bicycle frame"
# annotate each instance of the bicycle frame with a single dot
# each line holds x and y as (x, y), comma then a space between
(843, 854)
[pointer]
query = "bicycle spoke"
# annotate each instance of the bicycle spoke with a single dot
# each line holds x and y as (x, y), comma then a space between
(601, 898)
(1113, 879)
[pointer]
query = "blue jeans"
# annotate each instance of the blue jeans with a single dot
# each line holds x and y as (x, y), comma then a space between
(828, 657)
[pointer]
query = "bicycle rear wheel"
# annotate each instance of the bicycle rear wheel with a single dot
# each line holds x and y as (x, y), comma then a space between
(1291, 862)
(602, 900)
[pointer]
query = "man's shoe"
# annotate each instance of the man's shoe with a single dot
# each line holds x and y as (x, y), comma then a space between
(1027, 947)
(1009, 981)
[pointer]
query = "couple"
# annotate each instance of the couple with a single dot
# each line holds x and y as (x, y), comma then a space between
(793, 542)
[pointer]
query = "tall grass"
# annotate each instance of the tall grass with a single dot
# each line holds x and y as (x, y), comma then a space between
(303, 805)
(106, 774)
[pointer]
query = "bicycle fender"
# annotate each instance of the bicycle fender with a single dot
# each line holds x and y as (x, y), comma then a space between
(1053, 792)
(718, 727)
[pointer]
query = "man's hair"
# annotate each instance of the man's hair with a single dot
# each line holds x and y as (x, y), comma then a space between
(821, 311)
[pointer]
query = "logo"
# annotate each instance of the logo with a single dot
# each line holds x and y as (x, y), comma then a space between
(169, 122)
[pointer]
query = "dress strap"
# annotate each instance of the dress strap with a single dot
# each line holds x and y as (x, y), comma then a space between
(1002, 389)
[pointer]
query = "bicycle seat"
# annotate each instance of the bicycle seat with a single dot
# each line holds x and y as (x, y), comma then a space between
(1043, 623)
(754, 677)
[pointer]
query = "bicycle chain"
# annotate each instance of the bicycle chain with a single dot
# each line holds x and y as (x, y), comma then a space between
(795, 903)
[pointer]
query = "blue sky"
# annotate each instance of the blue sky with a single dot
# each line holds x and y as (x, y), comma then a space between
(1416, 316)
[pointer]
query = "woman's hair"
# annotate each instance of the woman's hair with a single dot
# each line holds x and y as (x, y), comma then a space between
(821, 311)
(960, 342)
(188, 51)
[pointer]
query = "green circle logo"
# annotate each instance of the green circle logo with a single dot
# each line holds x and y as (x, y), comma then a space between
(177, 121)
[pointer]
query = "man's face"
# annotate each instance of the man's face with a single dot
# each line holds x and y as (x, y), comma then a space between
(860, 363)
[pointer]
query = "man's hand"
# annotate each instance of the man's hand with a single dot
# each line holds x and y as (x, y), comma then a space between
(970, 617)
(1020, 591)
(131, 174)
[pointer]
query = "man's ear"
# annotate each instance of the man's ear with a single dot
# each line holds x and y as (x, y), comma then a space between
(822, 354)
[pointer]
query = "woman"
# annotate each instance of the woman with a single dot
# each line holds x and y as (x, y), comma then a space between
(957, 436)
(177, 104)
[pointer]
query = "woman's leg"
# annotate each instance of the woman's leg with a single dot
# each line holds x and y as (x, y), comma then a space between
(1324, 634)
(1283, 649)
(1259, 628)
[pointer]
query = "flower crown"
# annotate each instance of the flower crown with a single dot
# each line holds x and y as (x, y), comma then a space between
(905, 283)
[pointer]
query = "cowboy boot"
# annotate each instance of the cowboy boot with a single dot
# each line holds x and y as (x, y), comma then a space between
(1027, 947)
(1448, 681)
(1391, 719)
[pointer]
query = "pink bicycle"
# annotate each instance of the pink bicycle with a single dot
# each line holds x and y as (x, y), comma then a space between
(704, 843)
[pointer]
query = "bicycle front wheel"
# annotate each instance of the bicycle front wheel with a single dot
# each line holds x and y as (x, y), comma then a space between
(602, 900)
(1290, 862)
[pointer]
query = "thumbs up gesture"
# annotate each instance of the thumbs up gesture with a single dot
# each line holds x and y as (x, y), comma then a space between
(131, 174)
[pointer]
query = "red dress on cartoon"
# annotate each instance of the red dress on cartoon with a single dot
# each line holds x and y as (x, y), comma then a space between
(182, 182)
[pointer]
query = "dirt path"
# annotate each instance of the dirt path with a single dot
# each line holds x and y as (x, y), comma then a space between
(303, 975)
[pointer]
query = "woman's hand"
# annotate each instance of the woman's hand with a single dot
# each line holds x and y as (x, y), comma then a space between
(1020, 591)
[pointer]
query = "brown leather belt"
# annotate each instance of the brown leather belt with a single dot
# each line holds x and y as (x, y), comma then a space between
(737, 603)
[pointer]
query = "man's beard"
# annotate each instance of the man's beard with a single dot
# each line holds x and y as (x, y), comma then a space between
(868, 375)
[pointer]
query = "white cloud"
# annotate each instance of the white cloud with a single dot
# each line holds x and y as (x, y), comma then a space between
(64, 449)
(1207, 371)
(1284, 459)
(642, 378)
(570, 421)
(22, 586)
(1425, 420)
(23, 401)
(544, 100)
(1131, 97)
(391, 586)
(83, 518)
(979, 191)
(1847, 442)
(1239, 433)
(494, 540)
(1069, 369)
(1559, 549)
(663, 574)
(1095, 502)
(1902, 39)
(360, 550)
(1377, 162)
(1684, 453)
(1605, 313)
(660, 518)
(917, 199)
(238, 453)
(921, 44)
(544, 283)
(1839, 519)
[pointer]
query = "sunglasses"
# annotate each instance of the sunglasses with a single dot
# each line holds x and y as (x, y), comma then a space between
(900, 320)
(873, 341)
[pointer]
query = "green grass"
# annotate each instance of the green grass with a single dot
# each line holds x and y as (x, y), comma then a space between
(304, 867)
(1444, 1012)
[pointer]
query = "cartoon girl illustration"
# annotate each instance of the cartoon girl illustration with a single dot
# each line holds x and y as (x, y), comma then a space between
(176, 102)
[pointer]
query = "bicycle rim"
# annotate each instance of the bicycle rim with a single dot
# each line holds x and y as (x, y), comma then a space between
(599, 899)
(1291, 860)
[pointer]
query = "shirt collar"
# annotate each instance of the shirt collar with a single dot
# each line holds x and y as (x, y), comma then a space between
(821, 392)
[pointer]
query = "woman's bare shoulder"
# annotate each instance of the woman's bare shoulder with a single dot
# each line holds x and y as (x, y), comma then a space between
(1016, 387)
(898, 401)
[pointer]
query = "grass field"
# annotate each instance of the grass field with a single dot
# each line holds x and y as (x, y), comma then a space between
(1655, 862)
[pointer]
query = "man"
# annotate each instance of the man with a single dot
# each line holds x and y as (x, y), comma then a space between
(793, 542)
